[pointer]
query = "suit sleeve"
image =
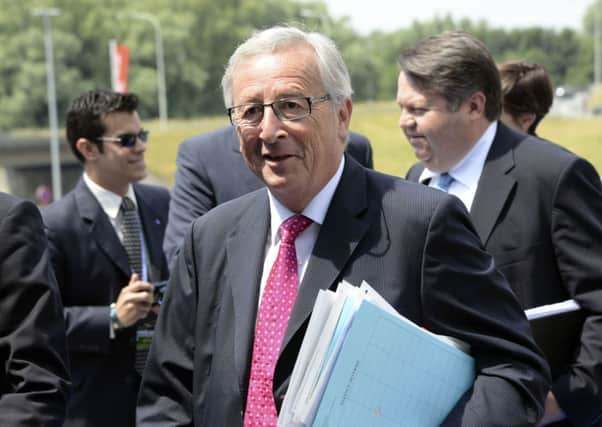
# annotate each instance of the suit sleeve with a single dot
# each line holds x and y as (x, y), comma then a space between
(360, 149)
(369, 159)
(464, 296)
(577, 240)
(87, 326)
(192, 196)
(165, 396)
(34, 378)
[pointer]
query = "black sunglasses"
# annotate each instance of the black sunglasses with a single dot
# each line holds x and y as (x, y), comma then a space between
(127, 139)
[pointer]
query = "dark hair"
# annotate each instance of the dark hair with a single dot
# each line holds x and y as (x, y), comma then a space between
(85, 116)
(526, 88)
(454, 65)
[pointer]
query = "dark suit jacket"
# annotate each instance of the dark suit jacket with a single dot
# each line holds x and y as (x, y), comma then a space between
(538, 210)
(211, 171)
(34, 376)
(91, 267)
(414, 245)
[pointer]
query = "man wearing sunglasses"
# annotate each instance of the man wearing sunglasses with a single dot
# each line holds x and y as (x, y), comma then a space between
(105, 241)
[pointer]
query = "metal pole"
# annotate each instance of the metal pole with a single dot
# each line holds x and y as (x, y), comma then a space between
(160, 61)
(161, 76)
(55, 160)
(112, 45)
(597, 43)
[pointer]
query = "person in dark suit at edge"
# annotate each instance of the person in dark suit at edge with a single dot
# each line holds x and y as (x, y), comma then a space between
(106, 240)
(34, 379)
(211, 171)
(218, 359)
(536, 206)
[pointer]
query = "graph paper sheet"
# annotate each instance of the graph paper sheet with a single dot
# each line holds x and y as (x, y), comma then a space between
(390, 372)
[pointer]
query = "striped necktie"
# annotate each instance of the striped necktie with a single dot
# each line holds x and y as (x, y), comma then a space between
(130, 227)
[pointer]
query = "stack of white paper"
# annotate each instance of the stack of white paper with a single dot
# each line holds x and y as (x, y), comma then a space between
(552, 309)
(361, 363)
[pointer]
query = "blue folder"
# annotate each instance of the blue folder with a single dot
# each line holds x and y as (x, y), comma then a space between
(392, 373)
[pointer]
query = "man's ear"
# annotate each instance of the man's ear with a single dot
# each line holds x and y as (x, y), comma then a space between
(476, 104)
(87, 149)
(344, 110)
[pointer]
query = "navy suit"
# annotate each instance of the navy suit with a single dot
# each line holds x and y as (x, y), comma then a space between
(416, 246)
(538, 211)
(34, 376)
(211, 171)
(91, 267)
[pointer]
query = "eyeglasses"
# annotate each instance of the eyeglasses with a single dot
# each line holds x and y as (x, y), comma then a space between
(290, 108)
(127, 139)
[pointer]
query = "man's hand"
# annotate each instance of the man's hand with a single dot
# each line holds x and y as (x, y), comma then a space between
(552, 411)
(134, 301)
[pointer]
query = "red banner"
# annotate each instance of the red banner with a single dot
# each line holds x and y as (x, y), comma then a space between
(120, 57)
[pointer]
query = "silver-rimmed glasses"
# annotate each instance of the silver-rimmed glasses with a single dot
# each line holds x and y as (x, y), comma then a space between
(289, 108)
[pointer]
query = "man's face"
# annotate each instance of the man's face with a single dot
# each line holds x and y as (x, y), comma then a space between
(296, 158)
(440, 137)
(118, 166)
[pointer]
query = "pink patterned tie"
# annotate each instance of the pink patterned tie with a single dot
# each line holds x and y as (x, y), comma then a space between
(274, 311)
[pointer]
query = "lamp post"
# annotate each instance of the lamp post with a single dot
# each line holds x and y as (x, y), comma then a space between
(55, 160)
(161, 91)
(597, 43)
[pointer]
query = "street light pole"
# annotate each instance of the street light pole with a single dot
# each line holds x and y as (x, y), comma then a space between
(55, 160)
(597, 43)
(160, 60)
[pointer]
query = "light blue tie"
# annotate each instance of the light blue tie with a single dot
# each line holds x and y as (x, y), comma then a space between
(445, 181)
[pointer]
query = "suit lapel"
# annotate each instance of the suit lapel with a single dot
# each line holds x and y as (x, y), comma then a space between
(415, 172)
(151, 226)
(233, 140)
(245, 247)
(343, 228)
(495, 183)
(100, 227)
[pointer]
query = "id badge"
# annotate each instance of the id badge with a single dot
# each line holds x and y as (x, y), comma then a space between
(145, 332)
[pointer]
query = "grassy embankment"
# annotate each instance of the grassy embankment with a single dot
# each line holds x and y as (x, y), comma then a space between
(378, 121)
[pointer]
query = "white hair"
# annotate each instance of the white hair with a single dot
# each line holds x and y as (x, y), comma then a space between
(333, 71)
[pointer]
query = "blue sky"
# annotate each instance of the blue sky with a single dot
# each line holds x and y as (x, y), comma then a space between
(368, 15)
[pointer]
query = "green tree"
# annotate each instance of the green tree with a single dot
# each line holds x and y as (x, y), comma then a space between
(200, 35)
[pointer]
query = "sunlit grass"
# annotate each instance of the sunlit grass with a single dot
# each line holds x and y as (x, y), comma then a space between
(379, 122)
(163, 144)
(595, 99)
(581, 135)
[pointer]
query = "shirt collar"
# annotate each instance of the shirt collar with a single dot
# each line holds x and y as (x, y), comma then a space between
(109, 201)
(315, 210)
(468, 170)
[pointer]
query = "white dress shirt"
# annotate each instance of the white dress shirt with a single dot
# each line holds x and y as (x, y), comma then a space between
(467, 172)
(304, 244)
(110, 203)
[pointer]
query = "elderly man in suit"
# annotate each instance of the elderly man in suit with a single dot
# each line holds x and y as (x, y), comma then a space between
(536, 207)
(106, 244)
(34, 378)
(212, 171)
(246, 279)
